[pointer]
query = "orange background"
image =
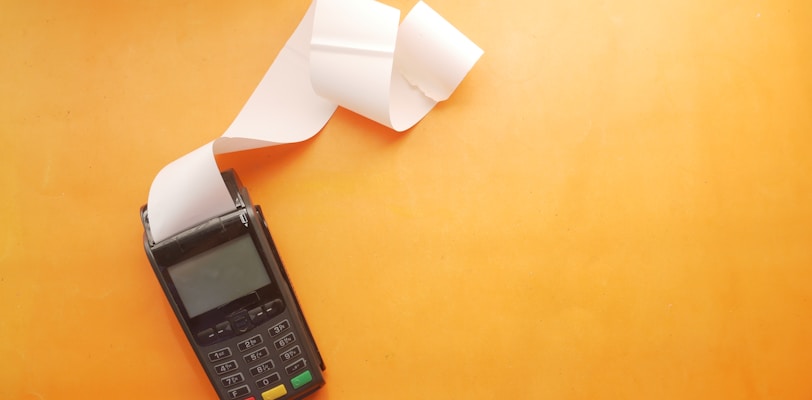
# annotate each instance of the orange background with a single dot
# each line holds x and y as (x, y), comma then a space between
(616, 202)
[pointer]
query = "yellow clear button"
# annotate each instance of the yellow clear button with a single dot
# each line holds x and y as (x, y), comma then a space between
(274, 393)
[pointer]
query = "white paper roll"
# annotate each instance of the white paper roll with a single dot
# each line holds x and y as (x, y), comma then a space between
(344, 52)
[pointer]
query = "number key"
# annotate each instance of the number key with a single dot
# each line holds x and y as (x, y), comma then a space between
(290, 354)
(262, 368)
(225, 367)
(256, 356)
(284, 341)
(220, 354)
(279, 328)
(232, 379)
(250, 342)
(267, 381)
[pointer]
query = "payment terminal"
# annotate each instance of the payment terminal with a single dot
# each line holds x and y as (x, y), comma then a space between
(227, 286)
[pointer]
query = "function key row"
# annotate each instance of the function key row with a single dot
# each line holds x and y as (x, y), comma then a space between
(260, 314)
(243, 322)
(222, 330)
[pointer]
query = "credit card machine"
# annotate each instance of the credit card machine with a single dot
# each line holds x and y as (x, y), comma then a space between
(227, 286)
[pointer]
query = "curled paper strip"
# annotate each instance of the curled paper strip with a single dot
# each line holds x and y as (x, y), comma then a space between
(344, 52)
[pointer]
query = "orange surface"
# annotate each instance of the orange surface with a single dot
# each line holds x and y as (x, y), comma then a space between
(616, 202)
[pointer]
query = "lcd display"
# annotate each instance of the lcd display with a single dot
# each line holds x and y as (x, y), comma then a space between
(218, 276)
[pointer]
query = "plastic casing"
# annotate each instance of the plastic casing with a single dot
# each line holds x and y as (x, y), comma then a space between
(209, 233)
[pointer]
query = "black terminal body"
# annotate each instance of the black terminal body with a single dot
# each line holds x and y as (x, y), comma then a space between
(227, 286)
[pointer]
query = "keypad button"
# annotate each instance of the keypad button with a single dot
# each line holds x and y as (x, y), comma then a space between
(284, 341)
(273, 308)
(299, 365)
(257, 315)
(241, 323)
(232, 380)
(218, 355)
(206, 336)
(267, 381)
(275, 393)
(249, 343)
(221, 369)
(256, 356)
(240, 391)
(279, 328)
(262, 368)
(223, 330)
(290, 354)
(302, 379)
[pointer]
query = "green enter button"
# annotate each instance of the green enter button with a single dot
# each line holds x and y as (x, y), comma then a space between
(302, 379)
